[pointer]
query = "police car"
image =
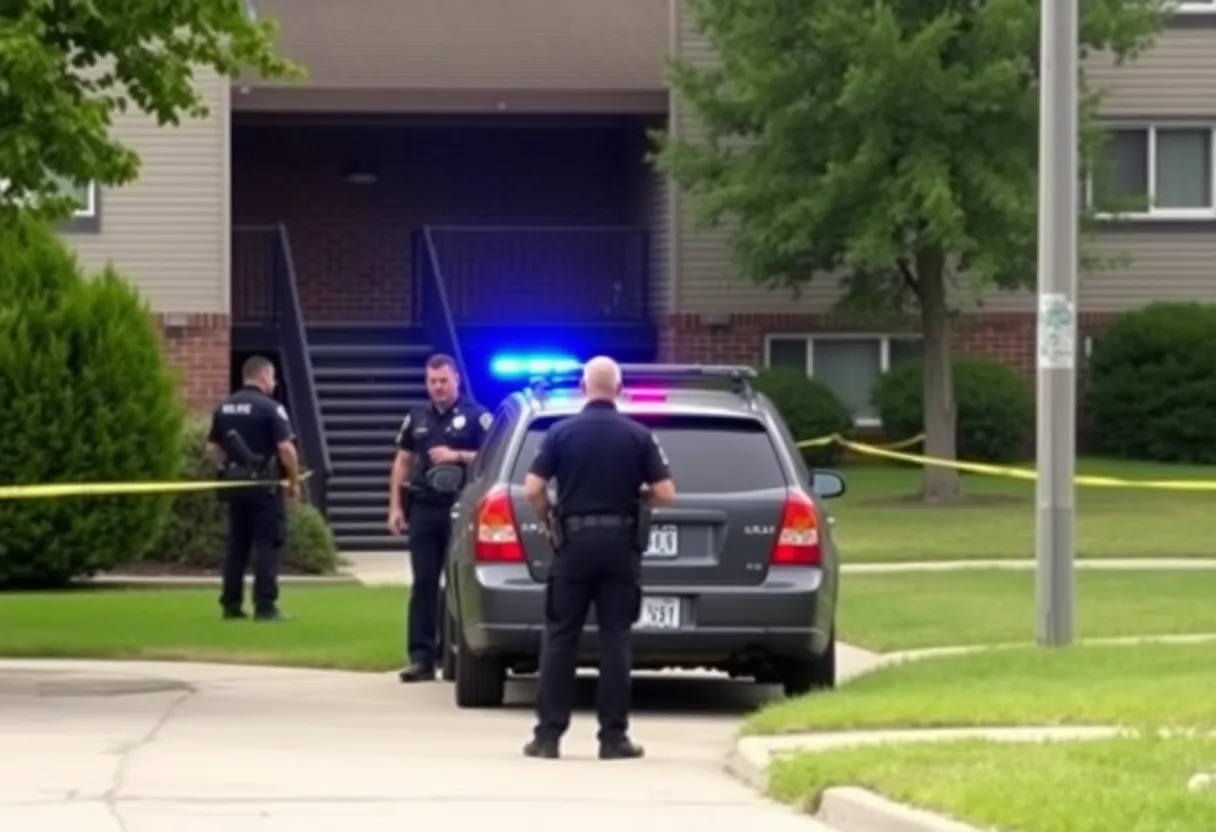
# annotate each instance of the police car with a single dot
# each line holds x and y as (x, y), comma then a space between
(741, 573)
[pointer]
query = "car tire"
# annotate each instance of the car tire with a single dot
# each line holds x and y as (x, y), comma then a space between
(801, 676)
(481, 681)
(449, 648)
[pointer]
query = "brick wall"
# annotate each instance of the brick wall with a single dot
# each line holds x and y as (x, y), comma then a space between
(351, 244)
(1007, 336)
(200, 350)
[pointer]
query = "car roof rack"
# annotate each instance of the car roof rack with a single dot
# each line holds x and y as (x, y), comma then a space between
(739, 376)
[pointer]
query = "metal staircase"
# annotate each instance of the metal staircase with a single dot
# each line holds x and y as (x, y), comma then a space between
(367, 379)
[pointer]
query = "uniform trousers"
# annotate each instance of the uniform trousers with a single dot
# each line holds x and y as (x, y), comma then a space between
(430, 531)
(599, 566)
(256, 526)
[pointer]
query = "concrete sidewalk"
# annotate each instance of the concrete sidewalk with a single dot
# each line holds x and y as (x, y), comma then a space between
(393, 569)
(115, 747)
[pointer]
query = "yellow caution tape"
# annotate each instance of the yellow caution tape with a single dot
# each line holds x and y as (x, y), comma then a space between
(109, 489)
(1007, 471)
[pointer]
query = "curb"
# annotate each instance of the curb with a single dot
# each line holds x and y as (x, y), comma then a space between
(850, 809)
(1022, 565)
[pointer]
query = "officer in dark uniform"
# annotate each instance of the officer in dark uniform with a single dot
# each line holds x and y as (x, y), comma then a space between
(435, 447)
(256, 515)
(602, 461)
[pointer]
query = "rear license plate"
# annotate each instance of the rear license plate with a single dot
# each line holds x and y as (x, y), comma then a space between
(664, 542)
(659, 614)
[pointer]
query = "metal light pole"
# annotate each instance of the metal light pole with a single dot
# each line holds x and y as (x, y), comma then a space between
(1057, 322)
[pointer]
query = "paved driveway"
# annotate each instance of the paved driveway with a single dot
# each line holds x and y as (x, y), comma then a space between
(101, 747)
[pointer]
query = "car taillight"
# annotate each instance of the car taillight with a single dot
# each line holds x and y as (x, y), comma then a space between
(798, 535)
(497, 535)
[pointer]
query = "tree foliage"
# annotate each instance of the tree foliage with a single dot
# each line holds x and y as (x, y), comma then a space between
(70, 65)
(892, 144)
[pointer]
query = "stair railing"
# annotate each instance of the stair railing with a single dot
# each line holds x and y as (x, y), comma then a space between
(286, 320)
(436, 312)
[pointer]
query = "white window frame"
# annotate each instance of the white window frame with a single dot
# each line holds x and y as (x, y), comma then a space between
(884, 351)
(87, 211)
(1195, 7)
(1154, 213)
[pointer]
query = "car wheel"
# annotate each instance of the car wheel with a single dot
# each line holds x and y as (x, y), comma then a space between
(801, 676)
(449, 647)
(481, 681)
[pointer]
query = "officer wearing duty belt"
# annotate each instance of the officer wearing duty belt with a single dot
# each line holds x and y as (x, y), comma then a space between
(250, 422)
(435, 446)
(602, 461)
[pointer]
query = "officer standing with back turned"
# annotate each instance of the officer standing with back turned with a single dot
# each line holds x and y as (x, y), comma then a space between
(251, 437)
(602, 461)
(435, 446)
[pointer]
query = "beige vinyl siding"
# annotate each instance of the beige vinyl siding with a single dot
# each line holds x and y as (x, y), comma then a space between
(1175, 79)
(475, 44)
(169, 231)
(1175, 260)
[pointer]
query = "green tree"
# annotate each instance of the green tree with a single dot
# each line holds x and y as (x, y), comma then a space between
(69, 65)
(892, 143)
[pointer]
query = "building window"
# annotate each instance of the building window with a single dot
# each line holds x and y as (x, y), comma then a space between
(1156, 172)
(848, 364)
(87, 218)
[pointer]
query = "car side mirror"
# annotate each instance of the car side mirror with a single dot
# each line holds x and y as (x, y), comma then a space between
(828, 484)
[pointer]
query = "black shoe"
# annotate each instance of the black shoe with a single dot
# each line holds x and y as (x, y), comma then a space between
(270, 615)
(417, 672)
(542, 749)
(235, 615)
(621, 750)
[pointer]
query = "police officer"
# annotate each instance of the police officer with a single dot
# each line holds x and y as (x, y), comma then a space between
(602, 461)
(435, 446)
(256, 515)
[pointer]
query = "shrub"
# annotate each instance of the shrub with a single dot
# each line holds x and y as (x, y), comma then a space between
(1151, 384)
(85, 396)
(809, 407)
(198, 523)
(995, 408)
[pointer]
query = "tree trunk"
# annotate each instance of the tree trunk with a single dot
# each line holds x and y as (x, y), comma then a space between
(941, 485)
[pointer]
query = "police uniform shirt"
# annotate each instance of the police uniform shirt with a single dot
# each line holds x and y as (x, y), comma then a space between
(600, 459)
(463, 427)
(260, 420)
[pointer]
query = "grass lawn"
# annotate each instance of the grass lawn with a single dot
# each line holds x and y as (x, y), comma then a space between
(1132, 785)
(341, 627)
(877, 523)
(995, 606)
(1136, 686)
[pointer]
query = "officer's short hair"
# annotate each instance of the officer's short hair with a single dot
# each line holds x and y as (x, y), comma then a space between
(255, 365)
(439, 361)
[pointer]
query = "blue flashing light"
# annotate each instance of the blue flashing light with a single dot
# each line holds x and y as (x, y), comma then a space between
(526, 365)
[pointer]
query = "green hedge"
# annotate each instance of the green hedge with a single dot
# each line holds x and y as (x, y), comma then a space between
(195, 533)
(995, 408)
(85, 396)
(809, 407)
(1151, 385)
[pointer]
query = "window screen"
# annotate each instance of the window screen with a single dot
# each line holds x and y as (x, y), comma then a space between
(707, 455)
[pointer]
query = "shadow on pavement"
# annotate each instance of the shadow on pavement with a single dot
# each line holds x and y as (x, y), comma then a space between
(665, 694)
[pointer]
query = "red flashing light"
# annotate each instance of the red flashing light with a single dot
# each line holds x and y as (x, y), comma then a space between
(798, 535)
(497, 532)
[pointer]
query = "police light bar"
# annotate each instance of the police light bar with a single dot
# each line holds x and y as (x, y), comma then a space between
(530, 365)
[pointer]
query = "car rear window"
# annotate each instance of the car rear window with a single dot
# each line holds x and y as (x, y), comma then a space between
(707, 455)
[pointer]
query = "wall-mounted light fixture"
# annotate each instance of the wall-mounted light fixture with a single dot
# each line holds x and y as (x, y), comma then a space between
(359, 173)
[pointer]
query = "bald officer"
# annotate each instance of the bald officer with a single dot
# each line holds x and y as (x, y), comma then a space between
(601, 460)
